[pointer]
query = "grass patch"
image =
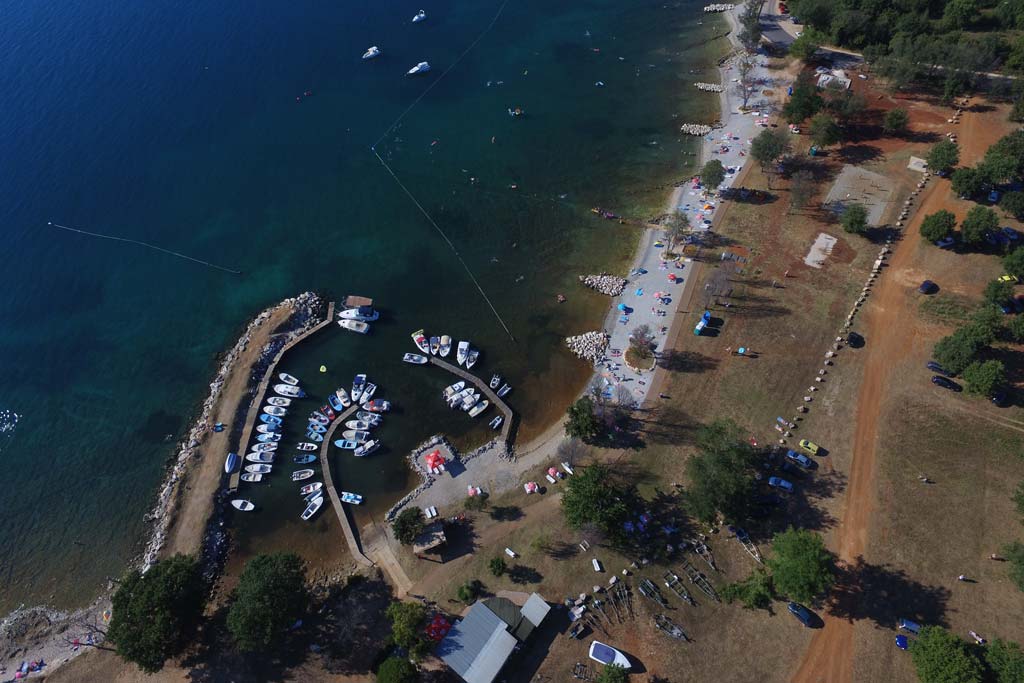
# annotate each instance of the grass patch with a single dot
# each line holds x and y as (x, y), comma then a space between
(635, 360)
(947, 308)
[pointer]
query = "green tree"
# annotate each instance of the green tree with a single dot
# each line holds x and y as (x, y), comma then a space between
(958, 350)
(943, 156)
(896, 122)
(270, 597)
(592, 498)
(979, 220)
(1017, 112)
(750, 26)
(1014, 553)
(855, 219)
(1006, 661)
(1015, 328)
(968, 182)
(712, 174)
(984, 378)
(497, 566)
(770, 145)
(754, 592)
(721, 473)
(938, 225)
(825, 132)
(396, 670)
(1018, 499)
(1013, 204)
(805, 101)
(998, 292)
(406, 619)
(985, 324)
(804, 47)
(802, 568)
(612, 673)
(941, 657)
(582, 423)
(1004, 160)
(475, 503)
(960, 14)
(154, 613)
(801, 189)
(408, 525)
(846, 104)
(470, 591)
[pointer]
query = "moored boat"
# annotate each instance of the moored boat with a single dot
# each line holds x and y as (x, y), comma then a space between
(364, 314)
(495, 381)
(288, 379)
(310, 497)
(312, 508)
(356, 435)
(357, 326)
(368, 393)
(453, 389)
(479, 408)
(471, 358)
(504, 390)
(231, 463)
(358, 384)
(346, 444)
(353, 498)
(372, 419)
(303, 459)
(496, 422)
(305, 446)
(299, 475)
(268, 429)
(316, 428)
(242, 505)
(260, 457)
(259, 468)
(251, 477)
(319, 418)
(470, 401)
(289, 391)
(446, 346)
(269, 438)
(342, 395)
(414, 358)
(264, 447)
(275, 411)
(335, 402)
(366, 448)
(378, 406)
(420, 339)
(462, 352)
(279, 401)
(310, 488)
(420, 16)
(358, 424)
(435, 345)
(372, 52)
(328, 411)
(313, 436)
(458, 397)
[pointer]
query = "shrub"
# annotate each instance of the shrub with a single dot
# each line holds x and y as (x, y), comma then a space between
(940, 656)
(896, 121)
(408, 525)
(1014, 553)
(855, 219)
(998, 292)
(497, 566)
(754, 592)
(984, 378)
(978, 221)
(396, 670)
(938, 225)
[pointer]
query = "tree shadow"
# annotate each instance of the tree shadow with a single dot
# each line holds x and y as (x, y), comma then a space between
(883, 594)
(858, 154)
(520, 574)
(668, 424)
(686, 361)
(352, 626)
(460, 539)
(506, 513)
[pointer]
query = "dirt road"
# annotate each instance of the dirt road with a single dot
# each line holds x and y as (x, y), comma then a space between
(890, 332)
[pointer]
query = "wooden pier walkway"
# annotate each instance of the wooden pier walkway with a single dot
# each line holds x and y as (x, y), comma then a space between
(257, 402)
(346, 524)
(484, 388)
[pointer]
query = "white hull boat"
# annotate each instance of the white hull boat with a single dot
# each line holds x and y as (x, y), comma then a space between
(312, 508)
(312, 496)
(251, 477)
(242, 505)
(358, 384)
(421, 68)
(267, 429)
(279, 401)
(496, 422)
(342, 395)
(420, 16)
(378, 406)
(318, 418)
(269, 438)
(462, 352)
(310, 488)
(316, 428)
(415, 359)
(420, 340)
(370, 54)
(313, 436)
(471, 358)
(364, 314)
(264, 447)
(504, 390)
(260, 457)
(359, 424)
(353, 498)
(479, 408)
(608, 655)
(356, 326)
(288, 379)
(259, 468)
(368, 393)
(306, 446)
(495, 381)
(276, 411)
(457, 398)
(367, 448)
(288, 390)
(357, 435)
(301, 474)
(453, 389)
(446, 346)
(372, 419)
(470, 401)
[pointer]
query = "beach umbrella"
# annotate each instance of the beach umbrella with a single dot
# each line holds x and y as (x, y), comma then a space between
(552, 471)
(470, 491)
(622, 307)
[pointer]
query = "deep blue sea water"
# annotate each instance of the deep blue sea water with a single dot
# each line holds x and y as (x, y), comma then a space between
(177, 123)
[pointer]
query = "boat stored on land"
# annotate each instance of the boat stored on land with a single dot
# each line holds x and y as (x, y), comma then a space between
(279, 401)
(299, 475)
(353, 498)
(378, 406)
(414, 358)
(462, 352)
(367, 448)
(243, 505)
(303, 459)
(357, 326)
(446, 346)
(251, 477)
(259, 468)
(231, 463)
(358, 384)
(312, 508)
(420, 340)
(608, 655)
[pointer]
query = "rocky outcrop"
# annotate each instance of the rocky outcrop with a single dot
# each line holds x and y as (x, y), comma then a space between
(589, 346)
(612, 285)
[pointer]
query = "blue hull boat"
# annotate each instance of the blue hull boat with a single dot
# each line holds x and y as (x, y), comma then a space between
(270, 419)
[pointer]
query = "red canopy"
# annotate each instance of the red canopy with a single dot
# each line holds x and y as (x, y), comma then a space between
(434, 459)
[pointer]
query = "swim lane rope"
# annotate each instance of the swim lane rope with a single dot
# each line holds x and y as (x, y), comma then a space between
(426, 214)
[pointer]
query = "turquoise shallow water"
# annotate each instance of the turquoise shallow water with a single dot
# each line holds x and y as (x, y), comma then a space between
(177, 123)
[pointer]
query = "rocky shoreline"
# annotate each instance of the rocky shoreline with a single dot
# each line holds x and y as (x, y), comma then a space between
(590, 346)
(612, 285)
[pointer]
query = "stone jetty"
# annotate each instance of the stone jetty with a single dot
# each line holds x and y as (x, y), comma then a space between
(612, 285)
(700, 129)
(589, 346)
(709, 87)
(719, 7)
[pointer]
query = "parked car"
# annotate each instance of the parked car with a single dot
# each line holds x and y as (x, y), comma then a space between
(798, 458)
(908, 625)
(1010, 233)
(946, 243)
(928, 287)
(946, 384)
(1006, 308)
(802, 614)
(994, 196)
(809, 446)
(1001, 398)
(902, 642)
(792, 469)
(996, 239)
(768, 500)
(1006, 277)
(780, 483)
(935, 367)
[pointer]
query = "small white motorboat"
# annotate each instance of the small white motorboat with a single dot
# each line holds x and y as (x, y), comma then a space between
(269, 438)
(504, 390)
(358, 384)
(276, 411)
(435, 345)
(421, 68)
(260, 457)
(288, 390)
(453, 389)
(267, 429)
(369, 418)
(496, 422)
(279, 401)
(370, 54)
(462, 352)
(310, 488)
(288, 379)
(358, 424)
(414, 358)
(251, 477)
(259, 468)
(495, 381)
(346, 444)
(378, 406)
(479, 408)
(299, 475)
(420, 16)
(306, 446)
(471, 358)
(265, 447)
(312, 508)
(368, 393)
(358, 435)
(608, 655)
(420, 340)
(446, 346)
(353, 498)
(356, 326)
(342, 395)
(242, 505)
(470, 401)
(364, 314)
(457, 398)
(366, 448)
(303, 459)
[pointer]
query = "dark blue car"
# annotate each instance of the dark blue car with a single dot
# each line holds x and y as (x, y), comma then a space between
(941, 381)
(802, 614)
(935, 367)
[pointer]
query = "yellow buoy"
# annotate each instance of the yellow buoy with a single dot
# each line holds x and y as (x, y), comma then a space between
(323, 368)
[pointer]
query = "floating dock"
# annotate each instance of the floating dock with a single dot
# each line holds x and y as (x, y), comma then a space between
(485, 388)
(346, 524)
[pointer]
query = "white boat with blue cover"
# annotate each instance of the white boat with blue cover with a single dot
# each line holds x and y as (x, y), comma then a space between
(264, 447)
(299, 475)
(421, 68)
(355, 435)
(608, 655)
(269, 438)
(368, 393)
(242, 505)
(462, 352)
(366, 448)
(316, 428)
(365, 314)
(268, 429)
(312, 508)
(313, 436)
(251, 477)
(275, 411)
(335, 403)
(471, 358)
(414, 359)
(358, 384)
(260, 457)
(288, 390)
(259, 468)
(279, 401)
(349, 497)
